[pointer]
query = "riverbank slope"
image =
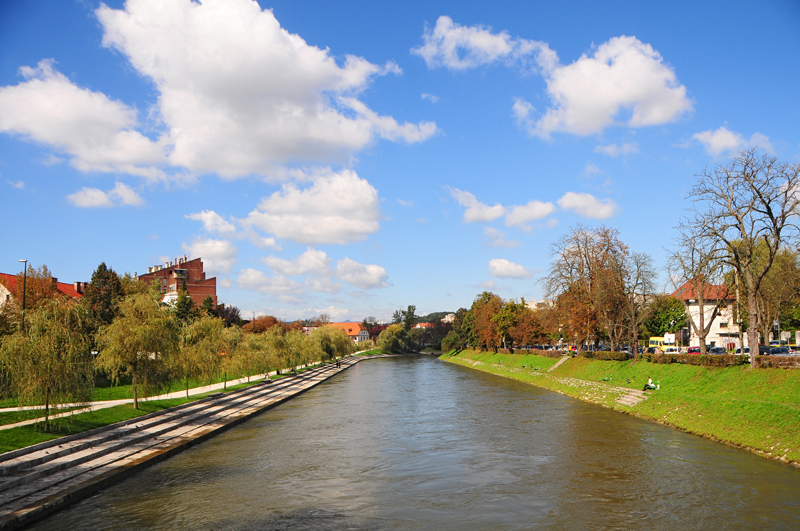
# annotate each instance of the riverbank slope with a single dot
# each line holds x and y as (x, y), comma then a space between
(757, 410)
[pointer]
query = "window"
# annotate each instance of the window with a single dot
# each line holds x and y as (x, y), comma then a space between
(723, 324)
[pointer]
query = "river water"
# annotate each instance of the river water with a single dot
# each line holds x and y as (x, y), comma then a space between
(417, 443)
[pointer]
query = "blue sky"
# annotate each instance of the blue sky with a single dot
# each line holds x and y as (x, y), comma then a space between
(356, 157)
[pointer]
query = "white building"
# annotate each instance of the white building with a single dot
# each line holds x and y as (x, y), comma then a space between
(724, 330)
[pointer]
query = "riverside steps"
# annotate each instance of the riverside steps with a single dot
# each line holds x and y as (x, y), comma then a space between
(40, 479)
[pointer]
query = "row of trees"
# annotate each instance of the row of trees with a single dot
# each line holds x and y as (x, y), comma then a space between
(738, 243)
(121, 329)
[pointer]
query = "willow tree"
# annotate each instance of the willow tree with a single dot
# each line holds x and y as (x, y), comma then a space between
(50, 363)
(140, 343)
(201, 347)
(750, 202)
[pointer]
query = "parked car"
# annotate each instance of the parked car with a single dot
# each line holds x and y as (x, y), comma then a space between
(739, 351)
(764, 350)
(673, 350)
(717, 350)
(779, 351)
(693, 350)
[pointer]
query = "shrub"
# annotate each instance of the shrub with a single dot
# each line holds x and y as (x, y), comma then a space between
(724, 360)
(606, 355)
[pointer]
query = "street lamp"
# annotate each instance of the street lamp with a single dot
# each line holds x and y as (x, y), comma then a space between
(24, 282)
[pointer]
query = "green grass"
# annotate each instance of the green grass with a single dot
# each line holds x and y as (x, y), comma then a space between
(371, 352)
(20, 437)
(757, 409)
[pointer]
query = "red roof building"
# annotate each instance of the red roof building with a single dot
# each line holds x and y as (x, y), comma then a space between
(354, 331)
(179, 274)
(8, 284)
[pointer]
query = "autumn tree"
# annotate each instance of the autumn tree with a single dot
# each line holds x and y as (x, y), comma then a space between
(484, 308)
(139, 343)
(50, 362)
(740, 205)
(230, 314)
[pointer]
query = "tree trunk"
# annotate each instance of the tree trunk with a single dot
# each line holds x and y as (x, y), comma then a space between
(47, 411)
(187, 386)
(752, 331)
(135, 393)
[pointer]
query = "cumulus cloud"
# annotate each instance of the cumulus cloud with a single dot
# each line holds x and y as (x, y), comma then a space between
(312, 260)
(613, 150)
(519, 215)
(218, 255)
(97, 132)
(502, 268)
(337, 208)
(362, 276)
(270, 98)
(95, 198)
(624, 75)
(212, 222)
(723, 141)
(498, 238)
(284, 289)
(588, 206)
(475, 210)
(458, 47)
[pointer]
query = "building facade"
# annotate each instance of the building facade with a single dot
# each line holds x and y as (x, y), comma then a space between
(724, 330)
(182, 273)
(354, 331)
(8, 285)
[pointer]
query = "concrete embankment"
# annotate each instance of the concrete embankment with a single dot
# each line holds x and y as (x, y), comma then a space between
(757, 410)
(40, 479)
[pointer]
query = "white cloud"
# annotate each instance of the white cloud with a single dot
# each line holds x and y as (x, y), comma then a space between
(96, 132)
(498, 238)
(218, 255)
(212, 222)
(590, 170)
(94, 198)
(491, 285)
(458, 47)
(323, 284)
(19, 185)
(623, 75)
(430, 97)
(311, 261)
(361, 275)
(588, 206)
(405, 203)
(476, 211)
(502, 268)
(337, 208)
(269, 99)
(519, 215)
(613, 150)
(283, 288)
(724, 141)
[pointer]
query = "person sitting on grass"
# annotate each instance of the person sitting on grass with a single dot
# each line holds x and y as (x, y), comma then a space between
(650, 384)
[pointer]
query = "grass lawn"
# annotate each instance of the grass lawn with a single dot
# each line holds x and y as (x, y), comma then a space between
(20, 437)
(758, 409)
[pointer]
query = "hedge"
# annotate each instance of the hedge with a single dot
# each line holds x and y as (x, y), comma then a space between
(606, 355)
(778, 362)
(714, 360)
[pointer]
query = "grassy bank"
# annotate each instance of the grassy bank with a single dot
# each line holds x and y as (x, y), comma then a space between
(22, 436)
(754, 409)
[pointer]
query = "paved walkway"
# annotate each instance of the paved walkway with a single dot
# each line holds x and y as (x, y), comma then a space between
(40, 479)
(103, 404)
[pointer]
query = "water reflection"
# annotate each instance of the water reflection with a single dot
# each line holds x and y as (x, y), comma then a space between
(415, 443)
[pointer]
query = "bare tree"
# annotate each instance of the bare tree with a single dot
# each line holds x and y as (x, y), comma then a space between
(749, 202)
(639, 287)
(696, 269)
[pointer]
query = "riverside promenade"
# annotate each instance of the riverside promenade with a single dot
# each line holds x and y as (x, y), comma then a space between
(41, 479)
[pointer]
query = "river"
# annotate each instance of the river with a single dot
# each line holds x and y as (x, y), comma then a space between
(417, 443)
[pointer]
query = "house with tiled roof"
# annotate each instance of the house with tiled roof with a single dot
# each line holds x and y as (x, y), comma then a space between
(354, 331)
(8, 284)
(719, 307)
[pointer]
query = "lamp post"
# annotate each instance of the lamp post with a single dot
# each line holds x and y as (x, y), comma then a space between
(24, 282)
